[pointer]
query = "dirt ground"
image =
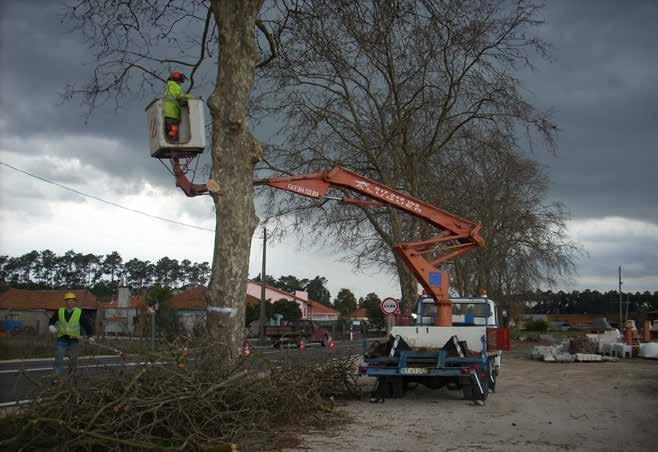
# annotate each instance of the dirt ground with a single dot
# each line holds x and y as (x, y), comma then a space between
(538, 406)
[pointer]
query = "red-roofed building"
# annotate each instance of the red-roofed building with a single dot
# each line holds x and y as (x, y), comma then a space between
(33, 308)
(311, 309)
(191, 304)
(119, 317)
(45, 299)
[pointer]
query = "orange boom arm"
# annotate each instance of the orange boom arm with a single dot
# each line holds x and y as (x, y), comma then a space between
(456, 235)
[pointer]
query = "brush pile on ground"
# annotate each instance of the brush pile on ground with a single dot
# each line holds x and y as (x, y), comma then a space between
(198, 401)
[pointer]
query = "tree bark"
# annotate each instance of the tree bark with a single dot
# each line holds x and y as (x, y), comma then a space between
(408, 287)
(234, 154)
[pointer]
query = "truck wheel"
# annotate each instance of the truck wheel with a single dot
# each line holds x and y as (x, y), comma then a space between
(472, 392)
(467, 391)
(395, 387)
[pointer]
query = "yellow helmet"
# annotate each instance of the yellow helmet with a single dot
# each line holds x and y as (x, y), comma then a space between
(70, 296)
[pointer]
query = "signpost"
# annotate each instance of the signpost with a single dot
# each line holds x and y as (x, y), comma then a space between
(389, 307)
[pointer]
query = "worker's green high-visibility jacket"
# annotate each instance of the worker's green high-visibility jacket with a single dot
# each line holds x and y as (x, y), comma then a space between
(70, 328)
(172, 97)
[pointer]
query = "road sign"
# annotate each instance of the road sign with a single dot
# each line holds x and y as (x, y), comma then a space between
(389, 306)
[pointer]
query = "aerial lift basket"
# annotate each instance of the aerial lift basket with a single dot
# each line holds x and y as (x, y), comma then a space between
(192, 136)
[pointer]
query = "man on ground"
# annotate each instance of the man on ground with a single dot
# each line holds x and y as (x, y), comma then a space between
(68, 323)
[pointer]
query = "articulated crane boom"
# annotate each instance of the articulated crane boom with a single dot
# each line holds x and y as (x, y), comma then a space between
(456, 235)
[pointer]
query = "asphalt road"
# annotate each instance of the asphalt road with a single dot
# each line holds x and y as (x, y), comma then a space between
(18, 377)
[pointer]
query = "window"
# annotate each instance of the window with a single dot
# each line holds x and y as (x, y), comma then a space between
(474, 309)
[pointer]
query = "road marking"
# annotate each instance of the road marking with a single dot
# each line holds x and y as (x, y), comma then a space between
(28, 360)
(91, 366)
(342, 344)
(14, 403)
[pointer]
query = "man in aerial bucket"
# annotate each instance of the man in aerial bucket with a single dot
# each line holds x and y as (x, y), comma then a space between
(173, 98)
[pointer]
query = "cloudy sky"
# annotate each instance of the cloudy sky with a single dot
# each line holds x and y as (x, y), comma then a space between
(602, 84)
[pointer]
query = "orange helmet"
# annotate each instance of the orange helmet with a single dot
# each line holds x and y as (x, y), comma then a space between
(177, 77)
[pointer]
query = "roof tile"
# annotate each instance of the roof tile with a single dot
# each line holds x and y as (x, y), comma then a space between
(44, 299)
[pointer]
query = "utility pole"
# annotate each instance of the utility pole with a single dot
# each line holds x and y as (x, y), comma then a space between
(263, 313)
(621, 326)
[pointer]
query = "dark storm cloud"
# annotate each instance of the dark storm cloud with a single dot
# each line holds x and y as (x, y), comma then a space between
(39, 57)
(603, 85)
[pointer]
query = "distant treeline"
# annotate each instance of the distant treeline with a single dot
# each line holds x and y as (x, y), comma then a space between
(588, 301)
(102, 274)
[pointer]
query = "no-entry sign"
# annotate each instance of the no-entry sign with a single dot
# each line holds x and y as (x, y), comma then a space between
(389, 306)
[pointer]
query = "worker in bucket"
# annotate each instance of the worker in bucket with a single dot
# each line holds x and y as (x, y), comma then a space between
(68, 323)
(173, 98)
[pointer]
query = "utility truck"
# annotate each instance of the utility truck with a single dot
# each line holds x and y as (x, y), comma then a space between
(436, 352)
(465, 357)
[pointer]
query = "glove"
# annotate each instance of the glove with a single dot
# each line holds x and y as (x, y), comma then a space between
(52, 329)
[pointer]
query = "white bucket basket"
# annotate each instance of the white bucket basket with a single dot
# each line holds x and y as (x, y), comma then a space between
(192, 135)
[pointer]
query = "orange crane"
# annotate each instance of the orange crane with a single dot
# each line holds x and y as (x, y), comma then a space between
(455, 235)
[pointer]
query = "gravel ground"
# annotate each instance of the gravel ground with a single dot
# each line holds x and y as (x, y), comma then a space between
(537, 406)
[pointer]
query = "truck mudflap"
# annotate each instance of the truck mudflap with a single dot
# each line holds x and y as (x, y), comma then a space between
(477, 388)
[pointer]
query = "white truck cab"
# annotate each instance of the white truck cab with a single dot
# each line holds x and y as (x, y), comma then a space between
(472, 318)
(468, 311)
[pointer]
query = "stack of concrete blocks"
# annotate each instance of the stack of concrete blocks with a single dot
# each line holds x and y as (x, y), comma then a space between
(560, 354)
(605, 340)
(553, 353)
(621, 350)
(587, 357)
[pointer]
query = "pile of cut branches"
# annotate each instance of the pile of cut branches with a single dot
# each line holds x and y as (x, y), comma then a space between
(194, 401)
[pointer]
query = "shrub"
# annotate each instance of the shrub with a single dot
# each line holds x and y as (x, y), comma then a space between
(537, 325)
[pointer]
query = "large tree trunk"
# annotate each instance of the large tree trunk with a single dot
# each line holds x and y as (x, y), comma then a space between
(408, 286)
(408, 282)
(234, 153)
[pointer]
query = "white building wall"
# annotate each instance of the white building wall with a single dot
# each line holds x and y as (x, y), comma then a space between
(254, 290)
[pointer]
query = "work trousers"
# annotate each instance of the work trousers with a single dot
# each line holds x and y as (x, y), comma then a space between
(66, 347)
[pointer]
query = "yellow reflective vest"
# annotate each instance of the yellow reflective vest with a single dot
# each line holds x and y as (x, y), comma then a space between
(70, 328)
(172, 95)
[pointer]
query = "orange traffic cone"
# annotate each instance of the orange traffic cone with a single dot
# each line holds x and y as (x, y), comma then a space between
(301, 344)
(332, 344)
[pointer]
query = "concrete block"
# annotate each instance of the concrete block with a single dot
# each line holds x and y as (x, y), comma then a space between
(621, 350)
(564, 358)
(587, 357)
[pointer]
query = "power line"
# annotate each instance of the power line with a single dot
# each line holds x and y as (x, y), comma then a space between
(43, 179)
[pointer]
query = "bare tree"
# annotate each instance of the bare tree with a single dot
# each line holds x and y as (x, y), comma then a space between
(384, 87)
(136, 44)
(527, 245)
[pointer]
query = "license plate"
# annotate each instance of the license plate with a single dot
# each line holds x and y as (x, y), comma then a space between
(415, 370)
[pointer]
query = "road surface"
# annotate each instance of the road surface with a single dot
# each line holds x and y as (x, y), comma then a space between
(17, 377)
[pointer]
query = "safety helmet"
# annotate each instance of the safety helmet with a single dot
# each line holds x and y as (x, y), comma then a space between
(70, 296)
(178, 76)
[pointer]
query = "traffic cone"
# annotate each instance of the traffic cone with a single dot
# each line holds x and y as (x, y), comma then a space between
(246, 351)
(332, 344)
(301, 344)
